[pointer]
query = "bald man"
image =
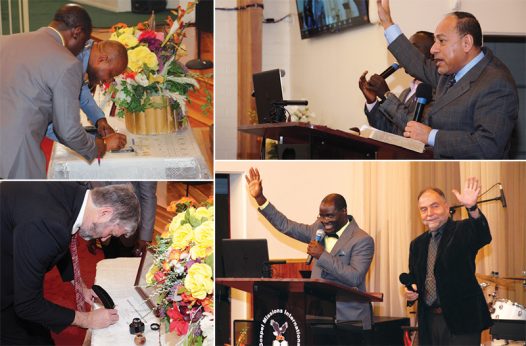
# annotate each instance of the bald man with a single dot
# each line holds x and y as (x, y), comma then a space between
(101, 63)
(41, 82)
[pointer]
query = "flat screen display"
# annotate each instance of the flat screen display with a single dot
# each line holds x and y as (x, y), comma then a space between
(317, 17)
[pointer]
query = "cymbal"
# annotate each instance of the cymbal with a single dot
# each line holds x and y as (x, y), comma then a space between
(500, 280)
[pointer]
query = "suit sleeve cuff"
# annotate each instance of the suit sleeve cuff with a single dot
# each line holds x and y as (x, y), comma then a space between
(370, 106)
(432, 136)
(261, 207)
(391, 33)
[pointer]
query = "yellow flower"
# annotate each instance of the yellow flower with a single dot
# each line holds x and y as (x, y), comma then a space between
(157, 78)
(204, 234)
(198, 251)
(150, 274)
(199, 280)
(139, 56)
(207, 213)
(182, 236)
(127, 39)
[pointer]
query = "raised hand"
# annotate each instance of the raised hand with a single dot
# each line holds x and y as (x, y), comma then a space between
(384, 13)
(470, 193)
(255, 186)
(363, 84)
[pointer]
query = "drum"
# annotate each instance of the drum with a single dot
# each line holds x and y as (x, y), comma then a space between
(505, 309)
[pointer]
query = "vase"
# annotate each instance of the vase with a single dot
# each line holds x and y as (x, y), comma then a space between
(154, 121)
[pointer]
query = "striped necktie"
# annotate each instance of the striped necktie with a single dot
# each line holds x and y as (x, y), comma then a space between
(76, 271)
(450, 83)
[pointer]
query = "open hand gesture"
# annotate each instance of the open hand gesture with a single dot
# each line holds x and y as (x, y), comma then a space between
(255, 186)
(384, 13)
(470, 194)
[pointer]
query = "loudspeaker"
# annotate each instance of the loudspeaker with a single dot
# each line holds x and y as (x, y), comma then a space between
(204, 15)
(147, 6)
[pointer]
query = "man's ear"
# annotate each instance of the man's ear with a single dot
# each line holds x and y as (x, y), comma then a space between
(76, 32)
(104, 214)
(467, 42)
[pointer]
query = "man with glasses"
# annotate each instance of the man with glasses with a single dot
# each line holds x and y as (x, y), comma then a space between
(39, 226)
(476, 102)
(344, 254)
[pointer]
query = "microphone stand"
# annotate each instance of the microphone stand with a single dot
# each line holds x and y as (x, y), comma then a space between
(455, 207)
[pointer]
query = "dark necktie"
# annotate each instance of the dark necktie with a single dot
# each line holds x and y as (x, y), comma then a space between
(76, 271)
(450, 83)
(431, 288)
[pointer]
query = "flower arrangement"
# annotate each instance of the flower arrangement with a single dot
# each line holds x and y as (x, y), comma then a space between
(154, 68)
(182, 274)
(303, 114)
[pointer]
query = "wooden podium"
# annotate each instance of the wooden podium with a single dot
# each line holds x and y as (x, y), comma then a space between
(300, 303)
(323, 142)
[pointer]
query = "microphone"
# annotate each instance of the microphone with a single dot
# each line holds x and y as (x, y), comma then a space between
(407, 280)
(291, 103)
(423, 95)
(502, 197)
(319, 236)
(389, 71)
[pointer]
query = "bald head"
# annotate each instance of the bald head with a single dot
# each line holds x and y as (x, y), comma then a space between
(336, 199)
(108, 59)
(423, 40)
(70, 16)
(74, 25)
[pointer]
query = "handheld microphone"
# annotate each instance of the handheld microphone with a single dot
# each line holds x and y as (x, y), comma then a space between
(407, 280)
(423, 95)
(319, 236)
(291, 103)
(502, 197)
(389, 71)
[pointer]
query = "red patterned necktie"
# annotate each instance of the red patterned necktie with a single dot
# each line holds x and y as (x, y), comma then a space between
(76, 271)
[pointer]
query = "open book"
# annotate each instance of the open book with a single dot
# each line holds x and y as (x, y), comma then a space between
(386, 137)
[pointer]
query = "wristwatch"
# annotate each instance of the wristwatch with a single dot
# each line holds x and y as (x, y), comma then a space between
(472, 208)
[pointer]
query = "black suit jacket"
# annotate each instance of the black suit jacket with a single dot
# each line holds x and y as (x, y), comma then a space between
(461, 298)
(36, 219)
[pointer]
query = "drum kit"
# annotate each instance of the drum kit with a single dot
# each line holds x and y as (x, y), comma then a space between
(509, 317)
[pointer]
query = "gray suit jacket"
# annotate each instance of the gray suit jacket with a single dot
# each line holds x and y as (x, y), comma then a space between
(393, 114)
(475, 118)
(347, 263)
(40, 83)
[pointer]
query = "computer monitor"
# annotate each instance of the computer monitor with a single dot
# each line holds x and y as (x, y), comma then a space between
(245, 258)
(267, 89)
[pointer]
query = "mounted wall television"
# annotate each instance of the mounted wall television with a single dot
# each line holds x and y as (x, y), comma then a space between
(317, 17)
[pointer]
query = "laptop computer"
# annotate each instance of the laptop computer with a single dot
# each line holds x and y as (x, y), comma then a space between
(245, 258)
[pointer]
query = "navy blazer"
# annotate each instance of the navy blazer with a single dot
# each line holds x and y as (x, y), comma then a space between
(36, 219)
(461, 298)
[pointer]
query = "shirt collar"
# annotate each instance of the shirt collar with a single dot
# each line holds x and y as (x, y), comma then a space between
(340, 232)
(440, 230)
(469, 66)
(80, 217)
(59, 35)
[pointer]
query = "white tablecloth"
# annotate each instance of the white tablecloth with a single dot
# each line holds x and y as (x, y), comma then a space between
(171, 156)
(117, 277)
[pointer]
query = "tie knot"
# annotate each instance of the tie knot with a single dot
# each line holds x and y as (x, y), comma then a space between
(333, 235)
(451, 82)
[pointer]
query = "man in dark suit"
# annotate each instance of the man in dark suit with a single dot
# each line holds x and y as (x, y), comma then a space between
(451, 306)
(344, 255)
(476, 101)
(393, 113)
(38, 221)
